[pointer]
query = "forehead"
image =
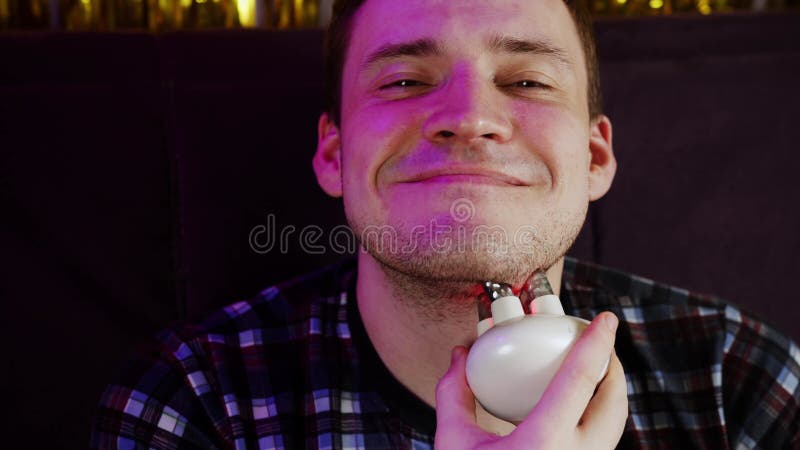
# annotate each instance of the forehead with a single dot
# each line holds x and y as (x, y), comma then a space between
(461, 26)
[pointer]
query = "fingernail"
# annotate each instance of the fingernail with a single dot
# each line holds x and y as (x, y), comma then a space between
(611, 322)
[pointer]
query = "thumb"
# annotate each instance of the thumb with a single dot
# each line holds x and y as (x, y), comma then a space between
(455, 404)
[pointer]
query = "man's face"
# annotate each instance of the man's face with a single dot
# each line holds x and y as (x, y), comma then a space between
(465, 134)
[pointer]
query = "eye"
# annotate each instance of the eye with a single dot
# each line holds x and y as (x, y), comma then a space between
(529, 84)
(405, 83)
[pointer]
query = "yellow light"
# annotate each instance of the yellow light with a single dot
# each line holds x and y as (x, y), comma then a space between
(185, 3)
(284, 15)
(247, 12)
(703, 7)
(655, 4)
(621, 2)
(86, 2)
(299, 12)
(200, 1)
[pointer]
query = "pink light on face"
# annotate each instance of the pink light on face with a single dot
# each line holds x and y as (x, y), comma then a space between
(467, 99)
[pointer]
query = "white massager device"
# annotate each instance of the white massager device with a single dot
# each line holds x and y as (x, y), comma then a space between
(516, 354)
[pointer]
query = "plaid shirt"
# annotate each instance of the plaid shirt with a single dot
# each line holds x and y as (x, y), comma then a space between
(293, 368)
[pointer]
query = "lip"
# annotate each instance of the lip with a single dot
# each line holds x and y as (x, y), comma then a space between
(466, 175)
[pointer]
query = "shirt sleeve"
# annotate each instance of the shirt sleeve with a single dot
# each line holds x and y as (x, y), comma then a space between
(761, 392)
(162, 399)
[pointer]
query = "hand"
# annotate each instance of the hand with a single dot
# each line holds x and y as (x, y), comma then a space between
(570, 414)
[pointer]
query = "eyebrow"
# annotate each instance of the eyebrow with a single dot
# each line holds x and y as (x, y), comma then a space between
(497, 44)
(420, 47)
(506, 44)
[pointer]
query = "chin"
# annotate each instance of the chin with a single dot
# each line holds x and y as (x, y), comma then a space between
(461, 257)
(461, 267)
(465, 248)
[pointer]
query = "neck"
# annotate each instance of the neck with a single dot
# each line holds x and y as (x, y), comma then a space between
(414, 324)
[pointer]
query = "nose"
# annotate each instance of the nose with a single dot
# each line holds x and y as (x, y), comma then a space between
(468, 109)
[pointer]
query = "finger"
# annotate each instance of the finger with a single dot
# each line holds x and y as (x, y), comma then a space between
(568, 393)
(455, 404)
(604, 420)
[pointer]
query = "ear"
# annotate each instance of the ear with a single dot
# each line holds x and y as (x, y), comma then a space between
(327, 160)
(603, 165)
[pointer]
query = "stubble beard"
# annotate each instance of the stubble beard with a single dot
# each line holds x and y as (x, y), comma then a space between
(423, 273)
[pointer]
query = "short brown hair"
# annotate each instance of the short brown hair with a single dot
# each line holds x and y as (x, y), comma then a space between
(338, 38)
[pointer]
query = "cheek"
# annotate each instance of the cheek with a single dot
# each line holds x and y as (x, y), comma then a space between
(382, 134)
(560, 139)
(380, 137)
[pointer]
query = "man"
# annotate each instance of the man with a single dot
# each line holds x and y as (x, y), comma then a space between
(447, 119)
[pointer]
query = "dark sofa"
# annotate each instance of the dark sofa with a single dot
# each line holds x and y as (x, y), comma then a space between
(134, 168)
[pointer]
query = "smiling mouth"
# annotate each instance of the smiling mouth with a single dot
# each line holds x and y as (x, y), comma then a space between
(478, 178)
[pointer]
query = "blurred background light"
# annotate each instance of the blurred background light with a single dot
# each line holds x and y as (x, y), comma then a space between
(167, 15)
